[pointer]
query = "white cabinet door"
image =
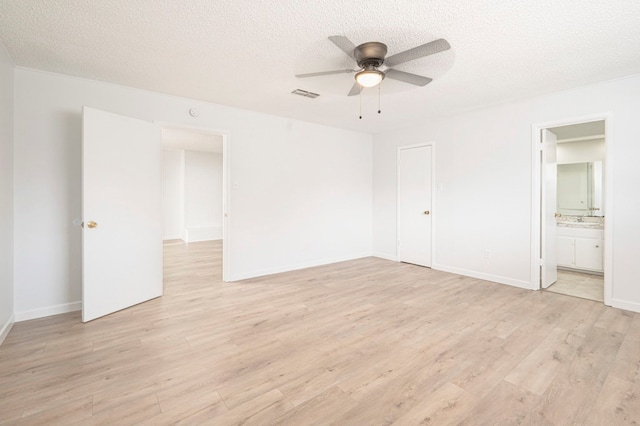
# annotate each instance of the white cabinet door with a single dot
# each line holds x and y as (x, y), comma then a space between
(566, 251)
(589, 254)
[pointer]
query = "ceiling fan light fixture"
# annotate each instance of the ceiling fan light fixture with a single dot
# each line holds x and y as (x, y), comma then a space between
(369, 77)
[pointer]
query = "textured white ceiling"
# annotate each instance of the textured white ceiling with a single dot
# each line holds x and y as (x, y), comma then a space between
(245, 53)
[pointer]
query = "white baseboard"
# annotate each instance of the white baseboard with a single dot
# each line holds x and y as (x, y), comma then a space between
(294, 267)
(484, 276)
(6, 328)
(386, 256)
(198, 240)
(207, 233)
(627, 306)
(172, 237)
(48, 311)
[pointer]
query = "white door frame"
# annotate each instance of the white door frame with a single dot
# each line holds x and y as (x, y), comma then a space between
(434, 210)
(226, 180)
(536, 202)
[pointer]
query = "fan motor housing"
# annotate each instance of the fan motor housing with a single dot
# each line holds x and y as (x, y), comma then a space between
(370, 54)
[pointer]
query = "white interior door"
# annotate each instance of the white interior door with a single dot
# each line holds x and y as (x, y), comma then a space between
(414, 205)
(122, 213)
(549, 205)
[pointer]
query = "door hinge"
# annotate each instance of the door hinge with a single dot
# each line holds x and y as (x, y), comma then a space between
(540, 262)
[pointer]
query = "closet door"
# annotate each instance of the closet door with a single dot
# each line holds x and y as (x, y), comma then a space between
(415, 205)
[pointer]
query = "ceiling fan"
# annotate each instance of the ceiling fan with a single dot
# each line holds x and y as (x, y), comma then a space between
(371, 55)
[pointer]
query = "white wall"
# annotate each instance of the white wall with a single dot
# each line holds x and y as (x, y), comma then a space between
(203, 195)
(483, 171)
(6, 193)
(172, 194)
(581, 151)
(301, 192)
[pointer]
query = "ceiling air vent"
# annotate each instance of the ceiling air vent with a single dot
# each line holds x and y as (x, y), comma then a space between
(305, 93)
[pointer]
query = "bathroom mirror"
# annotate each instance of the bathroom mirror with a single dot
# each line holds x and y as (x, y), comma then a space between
(580, 189)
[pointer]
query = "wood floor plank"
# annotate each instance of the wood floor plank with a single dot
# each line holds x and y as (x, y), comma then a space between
(618, 404)
(536, 372)
(71, 412)
(447, 405)
(575, 389)
(627, 363)
(258, 411)
(325, 408)
(367, 341)
(506, 404)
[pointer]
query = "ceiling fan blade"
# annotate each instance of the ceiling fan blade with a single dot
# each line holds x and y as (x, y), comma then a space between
(407, 77)
(427, 49)
(316, 74)
(355, 89)
(345, 45)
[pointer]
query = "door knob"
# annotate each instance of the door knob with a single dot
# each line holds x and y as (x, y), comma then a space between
(427, 212)
(557, 215)
(91, 224)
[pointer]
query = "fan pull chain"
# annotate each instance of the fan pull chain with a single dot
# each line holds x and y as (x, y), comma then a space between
(360, 96)
(379, 98)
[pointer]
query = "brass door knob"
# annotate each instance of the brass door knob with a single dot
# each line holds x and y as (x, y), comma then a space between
(91, 224)
(427, 212)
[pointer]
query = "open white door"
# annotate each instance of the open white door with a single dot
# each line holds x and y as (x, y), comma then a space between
(549, 204)
(122, 213)
(414, 205)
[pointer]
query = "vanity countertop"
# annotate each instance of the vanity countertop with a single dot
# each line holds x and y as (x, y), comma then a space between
(587, 223)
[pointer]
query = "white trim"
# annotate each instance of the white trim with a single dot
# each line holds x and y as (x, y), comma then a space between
(205, 233)
(608, 208)
(536, 128)
(536, 205)
(434, 207)
(433, 197)
(627, 306)
(6, 328)
(484, 276)
(48, 311)
(181, 207)
(297, 266)
(171, 237)
(582, 138)
(226, 207)
(386, 256)
(226, 189)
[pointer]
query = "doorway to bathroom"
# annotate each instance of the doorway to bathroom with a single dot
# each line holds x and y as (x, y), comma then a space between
(572, 180)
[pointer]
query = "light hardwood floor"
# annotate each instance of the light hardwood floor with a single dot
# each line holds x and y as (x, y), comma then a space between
(363, 342)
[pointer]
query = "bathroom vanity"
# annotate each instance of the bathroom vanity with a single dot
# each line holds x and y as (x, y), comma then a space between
(580, 246)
